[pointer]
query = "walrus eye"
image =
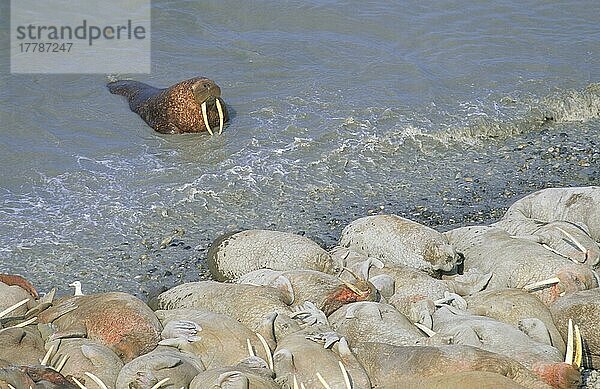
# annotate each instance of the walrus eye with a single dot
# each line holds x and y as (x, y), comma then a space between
(207, 86)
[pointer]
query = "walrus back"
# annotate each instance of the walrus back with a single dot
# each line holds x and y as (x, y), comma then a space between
(137, 93)
(126, 88)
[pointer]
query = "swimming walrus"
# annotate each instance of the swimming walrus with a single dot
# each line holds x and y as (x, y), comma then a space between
(192, 105)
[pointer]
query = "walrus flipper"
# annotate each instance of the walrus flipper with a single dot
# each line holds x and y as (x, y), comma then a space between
(126, 88)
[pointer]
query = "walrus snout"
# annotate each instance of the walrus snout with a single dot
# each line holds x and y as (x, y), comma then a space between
(205, 90)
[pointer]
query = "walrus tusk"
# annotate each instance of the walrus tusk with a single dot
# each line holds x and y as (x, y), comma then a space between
(579, 245)
(159, 383)
(345, 374)
(322, 380)
(203, 106)
(356, 277)
(302, 385)
(428, 331)
(295, 382)
(25, 323)
(559, 253)
(221, 117)
(79, 384)
(578, 348)
(299, 313)
(12, 308)
(569, 353)
(250, 350)
(97, 380)
(548, 282)
(44, 361)
(267, 350)
(61, 363)
(352, 287)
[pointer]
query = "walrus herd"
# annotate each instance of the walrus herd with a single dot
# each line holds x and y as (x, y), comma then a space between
(395, 305)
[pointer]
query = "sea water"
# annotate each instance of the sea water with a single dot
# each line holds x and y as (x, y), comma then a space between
(444, 112)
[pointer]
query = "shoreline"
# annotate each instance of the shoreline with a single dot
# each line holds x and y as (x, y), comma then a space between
(290, 292)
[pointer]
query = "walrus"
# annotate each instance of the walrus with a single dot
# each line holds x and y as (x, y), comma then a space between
(192, 105)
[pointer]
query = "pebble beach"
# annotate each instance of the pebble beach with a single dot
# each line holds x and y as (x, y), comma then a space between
(283, 312)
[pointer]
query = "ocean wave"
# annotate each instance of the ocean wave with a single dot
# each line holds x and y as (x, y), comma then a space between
(562, 107)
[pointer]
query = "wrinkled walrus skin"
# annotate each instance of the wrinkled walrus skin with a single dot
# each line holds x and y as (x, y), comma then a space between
(163, 362)
(396, 240)
(303, 354)
(517, 262)
(584, 309)
(217, 340)
(565, 238)
(327, 292)
(415, 363)
(494, 336)
(21, 346)
(120, 321)
(235, 254)
(251, 305)
(12, 294)
(86, 356)
(176, 109)
(368, 321)
(515, 307)
(576, 205)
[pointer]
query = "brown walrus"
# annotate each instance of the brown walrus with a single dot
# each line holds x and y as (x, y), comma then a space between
(192, 105)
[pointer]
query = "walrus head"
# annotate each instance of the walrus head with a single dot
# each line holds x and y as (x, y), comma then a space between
(361, 290)
(207, 94)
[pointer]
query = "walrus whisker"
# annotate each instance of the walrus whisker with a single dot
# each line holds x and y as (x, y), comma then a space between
(205, 117)
(428, 331)
(160, 383)
(539, 284)
(78, 383)
(577, 243)
(345, 374)
(569, 352)
(97, 380)
(298, 313)
(13, 307)
(250, 350)
(44, 361)
(578, 348)
(221, 116)
(267, 350)
(322, 380)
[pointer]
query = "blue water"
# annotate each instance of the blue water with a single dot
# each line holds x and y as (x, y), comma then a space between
(340, 109)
